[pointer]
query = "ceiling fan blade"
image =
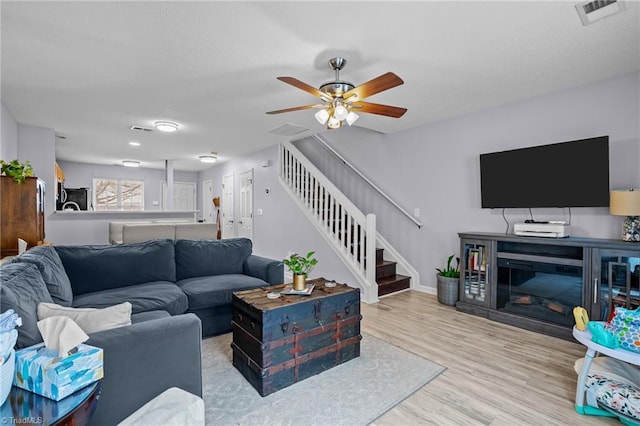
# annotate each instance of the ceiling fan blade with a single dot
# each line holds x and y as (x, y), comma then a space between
(307, 88)
(386, 110)
(298, 108)
(377, 85)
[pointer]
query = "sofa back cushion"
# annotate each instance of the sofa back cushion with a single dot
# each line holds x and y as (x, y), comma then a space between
(50, 266)
(199, 258)
(94, 268)
(21, 289)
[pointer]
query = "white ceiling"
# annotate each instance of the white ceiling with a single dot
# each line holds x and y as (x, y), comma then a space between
(90, 70)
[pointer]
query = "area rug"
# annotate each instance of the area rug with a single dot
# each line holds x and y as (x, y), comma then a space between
(354, 393)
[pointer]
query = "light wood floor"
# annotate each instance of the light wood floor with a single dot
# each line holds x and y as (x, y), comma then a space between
(496, 374)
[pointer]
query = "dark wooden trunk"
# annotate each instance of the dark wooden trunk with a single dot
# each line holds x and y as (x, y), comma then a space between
(279, 342)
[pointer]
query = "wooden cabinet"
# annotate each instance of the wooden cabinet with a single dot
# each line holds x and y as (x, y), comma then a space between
(22, 214)
(615, 279)
(475, 268)
(535, 283)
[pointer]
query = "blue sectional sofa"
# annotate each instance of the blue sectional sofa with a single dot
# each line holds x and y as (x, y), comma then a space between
(180, 290)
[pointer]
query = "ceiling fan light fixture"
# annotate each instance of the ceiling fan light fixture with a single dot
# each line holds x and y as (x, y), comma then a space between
(166, 126)
(334, 123)
(340, 112)
(352, 117)
(131, 163)
(322, 116)
(209, 158)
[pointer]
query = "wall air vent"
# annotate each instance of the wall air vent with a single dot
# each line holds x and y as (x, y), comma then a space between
(141, 129)
(288, 130)
(59, 136)
(592, 11)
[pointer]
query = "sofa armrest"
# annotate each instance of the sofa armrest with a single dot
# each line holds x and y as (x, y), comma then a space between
(269, 270)
(144, 359)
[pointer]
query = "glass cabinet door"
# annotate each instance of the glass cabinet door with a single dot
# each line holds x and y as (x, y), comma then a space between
(616, 281)
(474, 272)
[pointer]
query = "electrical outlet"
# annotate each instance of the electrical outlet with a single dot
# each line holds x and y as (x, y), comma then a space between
(259, 212)
(155, 203)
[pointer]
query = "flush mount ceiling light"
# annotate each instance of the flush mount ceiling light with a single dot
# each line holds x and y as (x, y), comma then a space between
(340, 99)
(595, 10)
(131, 163)
(166, 126)
(209, 158)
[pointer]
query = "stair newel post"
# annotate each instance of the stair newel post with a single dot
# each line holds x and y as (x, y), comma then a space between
(371, 291)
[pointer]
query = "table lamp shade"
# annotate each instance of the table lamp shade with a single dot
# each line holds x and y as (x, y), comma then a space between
(625, 202)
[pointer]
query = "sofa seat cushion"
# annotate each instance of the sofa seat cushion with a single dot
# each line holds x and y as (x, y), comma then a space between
(21, 289)
(148, 316)
(211, 257)
(159, 295)
(94, 268)
(50, 266)
(216, 290)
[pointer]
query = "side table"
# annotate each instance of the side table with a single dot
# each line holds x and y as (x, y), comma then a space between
(593, 349)
(24, 407)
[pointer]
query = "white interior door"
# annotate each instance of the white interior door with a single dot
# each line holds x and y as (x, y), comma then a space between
(228, 211)
(184, 196)
(208, 214)
(245, 223)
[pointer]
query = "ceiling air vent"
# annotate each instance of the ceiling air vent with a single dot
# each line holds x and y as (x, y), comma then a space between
(288, 130)
(140, 129)
(592, 11)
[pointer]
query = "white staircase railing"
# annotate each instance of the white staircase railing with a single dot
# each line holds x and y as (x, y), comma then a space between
(349, 232)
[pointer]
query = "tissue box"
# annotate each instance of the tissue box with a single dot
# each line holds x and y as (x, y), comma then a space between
(42, 371)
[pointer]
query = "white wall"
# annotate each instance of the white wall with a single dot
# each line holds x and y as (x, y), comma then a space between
(8, 135)
(436, 167)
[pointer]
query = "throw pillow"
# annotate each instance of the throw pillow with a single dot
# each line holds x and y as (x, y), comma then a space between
(21, 289)
(50, 266)
(90, 320)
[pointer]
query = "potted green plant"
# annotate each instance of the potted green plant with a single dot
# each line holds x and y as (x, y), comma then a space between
(17, 170)
(300, 266)
(448, 279)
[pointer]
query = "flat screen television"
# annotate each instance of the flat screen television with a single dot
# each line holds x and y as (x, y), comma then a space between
(567, 174)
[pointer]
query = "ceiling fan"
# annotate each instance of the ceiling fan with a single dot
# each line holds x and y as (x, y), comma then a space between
(341, 99)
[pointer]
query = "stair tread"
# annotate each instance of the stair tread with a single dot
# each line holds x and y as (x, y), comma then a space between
(386, 263)
(392, 279)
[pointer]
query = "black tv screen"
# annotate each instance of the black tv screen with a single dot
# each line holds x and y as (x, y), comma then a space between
(567, 174)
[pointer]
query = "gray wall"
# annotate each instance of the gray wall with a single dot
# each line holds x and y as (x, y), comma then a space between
(8, 135)
(436, 167)
(282, 228)
(80, 175)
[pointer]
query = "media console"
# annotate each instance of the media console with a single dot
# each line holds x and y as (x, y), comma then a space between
(535, 282)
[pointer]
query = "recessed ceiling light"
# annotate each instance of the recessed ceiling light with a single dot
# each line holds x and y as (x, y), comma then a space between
(209, 158)
(166, 126)
(132, 143)
(130, 163)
